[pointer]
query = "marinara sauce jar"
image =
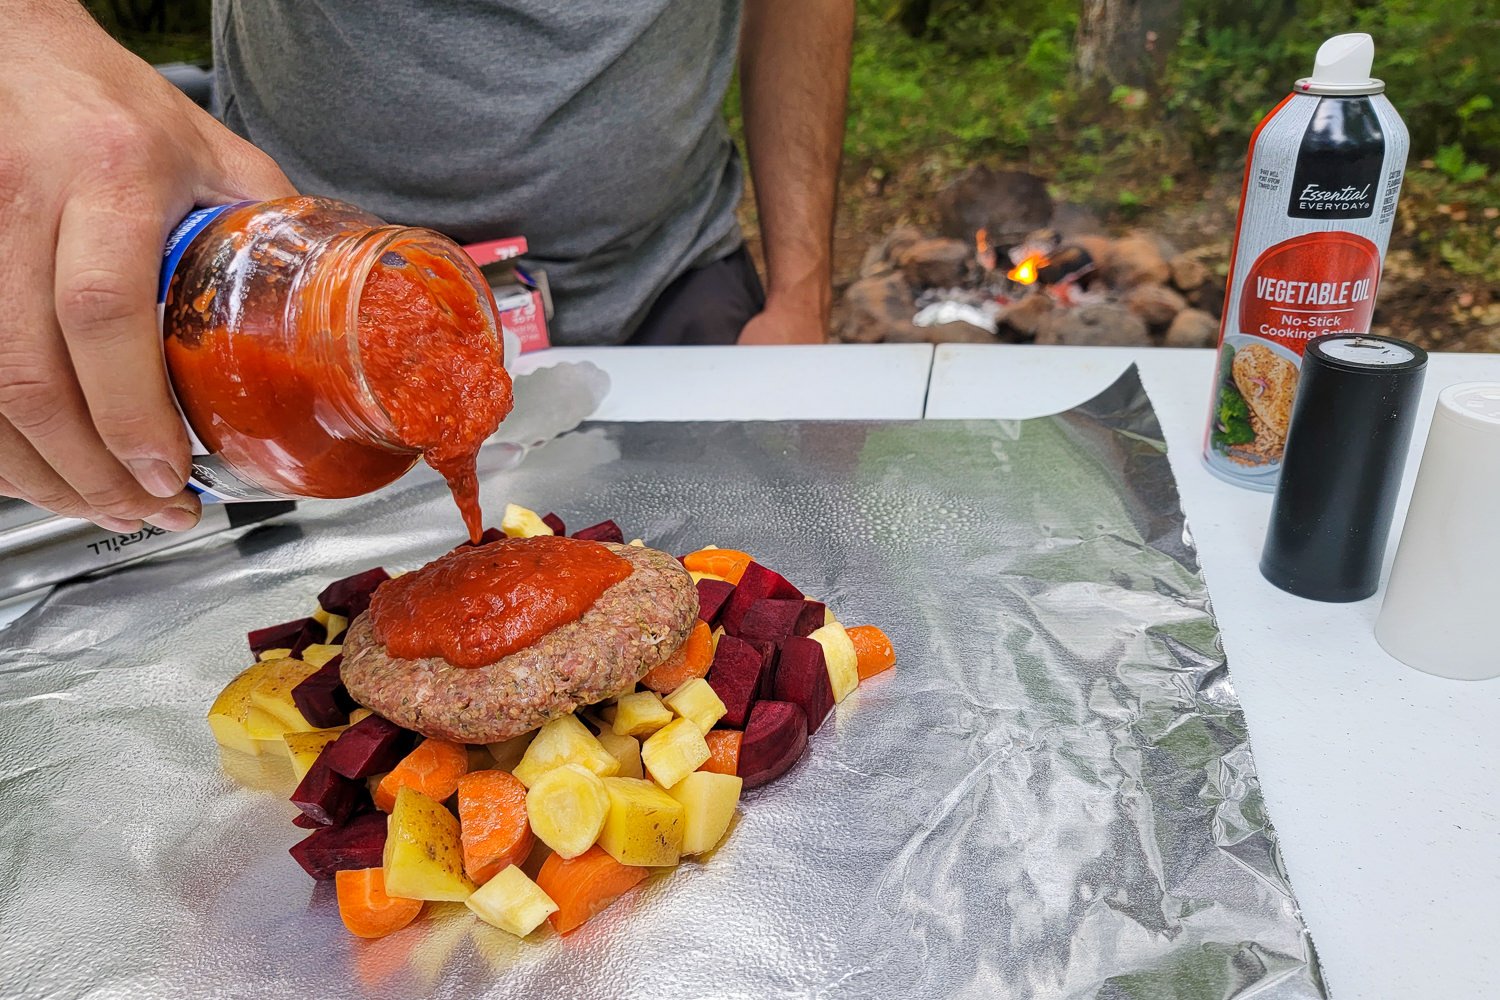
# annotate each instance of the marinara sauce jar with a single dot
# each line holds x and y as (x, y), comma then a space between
(316, 351)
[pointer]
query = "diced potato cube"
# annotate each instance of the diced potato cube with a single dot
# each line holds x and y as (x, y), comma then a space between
(512, 902)
(839, 655)
(718, 634)
(237, 717)
(708, 800)
(626, 750)
(696, 700)
(674, 752)
(564, 741)
(567, 808)
(509, 753)
(359, 714)
(278, 653)
(518, 522)
(229, 713)
(303, 748)
(640, 714)
(645, 824)
(320, 653)
(333, 624)
(638, 543)
(272, 694)
(423, 855)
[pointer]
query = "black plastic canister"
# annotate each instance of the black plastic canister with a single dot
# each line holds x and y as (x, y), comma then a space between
(1346, 448)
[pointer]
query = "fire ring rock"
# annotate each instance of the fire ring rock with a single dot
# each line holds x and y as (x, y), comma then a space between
(1136, 260)
(1158, 305)
(1103, 324)
(1193, 328)
(937, 263)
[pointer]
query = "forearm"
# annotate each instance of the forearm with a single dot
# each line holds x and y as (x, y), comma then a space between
(27, 18)
(794, 81)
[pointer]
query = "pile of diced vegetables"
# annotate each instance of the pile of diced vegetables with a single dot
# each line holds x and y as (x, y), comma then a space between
(556, 824)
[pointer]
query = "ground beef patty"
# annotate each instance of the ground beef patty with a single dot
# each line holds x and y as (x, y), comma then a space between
(633, 626)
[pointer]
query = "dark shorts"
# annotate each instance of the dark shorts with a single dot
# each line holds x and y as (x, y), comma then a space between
(707, 305)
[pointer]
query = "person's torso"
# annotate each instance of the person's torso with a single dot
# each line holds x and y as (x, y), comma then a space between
(592, 127)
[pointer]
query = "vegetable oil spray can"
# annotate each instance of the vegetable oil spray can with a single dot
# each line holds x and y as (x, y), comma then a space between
(1316, 208)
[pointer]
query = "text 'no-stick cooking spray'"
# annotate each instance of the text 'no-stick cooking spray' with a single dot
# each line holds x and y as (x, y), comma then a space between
(1319, 197)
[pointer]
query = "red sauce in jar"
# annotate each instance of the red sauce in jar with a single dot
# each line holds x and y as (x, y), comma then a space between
(430, 361)
(317, 352)
(477, 605)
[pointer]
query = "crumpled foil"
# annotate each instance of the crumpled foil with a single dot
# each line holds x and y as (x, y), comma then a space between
(1051, 796)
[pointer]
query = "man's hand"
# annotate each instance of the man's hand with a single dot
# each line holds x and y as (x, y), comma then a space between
(794, 82)
(100, 157)
(786, 325)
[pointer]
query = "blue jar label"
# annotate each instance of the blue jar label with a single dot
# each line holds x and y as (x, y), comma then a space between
(212, 478)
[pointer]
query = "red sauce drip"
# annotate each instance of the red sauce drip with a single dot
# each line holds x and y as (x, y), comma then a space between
(430, 361)
(477, 605)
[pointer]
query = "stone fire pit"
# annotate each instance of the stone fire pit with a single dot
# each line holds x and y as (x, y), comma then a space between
(1006, 257)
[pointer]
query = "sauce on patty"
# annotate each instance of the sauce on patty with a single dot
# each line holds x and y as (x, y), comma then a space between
(477, 605)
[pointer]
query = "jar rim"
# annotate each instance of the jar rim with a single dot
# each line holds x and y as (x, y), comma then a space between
(360, 256)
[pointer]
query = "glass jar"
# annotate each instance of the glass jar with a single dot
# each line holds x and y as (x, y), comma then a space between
(261, 317)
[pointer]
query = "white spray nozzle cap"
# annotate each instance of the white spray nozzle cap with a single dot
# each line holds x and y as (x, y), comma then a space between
(1343, 67)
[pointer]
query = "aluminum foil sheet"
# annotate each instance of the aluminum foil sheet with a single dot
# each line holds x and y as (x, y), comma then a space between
(1051, 796)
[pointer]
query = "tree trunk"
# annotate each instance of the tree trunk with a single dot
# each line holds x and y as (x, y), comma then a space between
(1125, 42)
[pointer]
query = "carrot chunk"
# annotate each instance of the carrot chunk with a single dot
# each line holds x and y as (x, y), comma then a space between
(872, 650)
(729, 564)
(723, 751)
(692, 659)
(433, 769)
(584, 886)
(366, 909)
(492, 823)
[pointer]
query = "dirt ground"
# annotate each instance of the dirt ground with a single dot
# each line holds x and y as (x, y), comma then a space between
(1437, 309)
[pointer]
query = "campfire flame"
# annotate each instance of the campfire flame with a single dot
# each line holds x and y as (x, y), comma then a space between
(1025, 272)
(982, 249)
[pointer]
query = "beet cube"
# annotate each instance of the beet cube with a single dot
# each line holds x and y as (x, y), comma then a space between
(767, 651)
(326, 797)
(301, 632)
(604, 531)
(371, 745)
(555, 523)
(322, 698)
(306, 822)
(360, 843)
(814, 616)
(758, 583)
(774, 740)
(770, 619)
(802, 679)
(711, 597)
(736, 677)
(489, 535)
(351, 595)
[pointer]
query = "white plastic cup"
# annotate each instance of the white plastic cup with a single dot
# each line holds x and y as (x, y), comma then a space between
(1442, 607)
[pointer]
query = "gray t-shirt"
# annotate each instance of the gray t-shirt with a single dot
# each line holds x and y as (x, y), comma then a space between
(592, 127)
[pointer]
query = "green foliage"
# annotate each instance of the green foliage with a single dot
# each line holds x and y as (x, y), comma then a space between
(1231, 413)
(978, 82)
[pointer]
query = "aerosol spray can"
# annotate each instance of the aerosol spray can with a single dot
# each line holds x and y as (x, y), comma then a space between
(1319, 197)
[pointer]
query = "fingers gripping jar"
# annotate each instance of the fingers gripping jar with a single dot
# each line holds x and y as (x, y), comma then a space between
(317, 352)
